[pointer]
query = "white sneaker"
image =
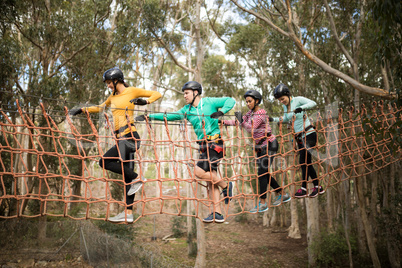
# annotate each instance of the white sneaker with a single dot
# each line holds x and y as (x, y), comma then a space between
(121, 217)
(136, 186)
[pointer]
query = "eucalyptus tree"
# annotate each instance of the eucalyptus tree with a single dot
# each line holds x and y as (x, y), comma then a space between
(337, 38)
(285, 18)
(185, 36)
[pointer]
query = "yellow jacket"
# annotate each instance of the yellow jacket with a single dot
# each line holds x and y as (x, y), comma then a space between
(118, 104)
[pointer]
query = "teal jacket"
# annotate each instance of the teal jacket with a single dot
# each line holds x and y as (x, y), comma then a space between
(196, 115)
(300, 124)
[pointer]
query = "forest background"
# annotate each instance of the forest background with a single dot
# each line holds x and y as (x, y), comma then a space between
(343, 52)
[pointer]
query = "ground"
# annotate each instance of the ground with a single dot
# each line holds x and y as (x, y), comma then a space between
(239, 242)
(233, 244)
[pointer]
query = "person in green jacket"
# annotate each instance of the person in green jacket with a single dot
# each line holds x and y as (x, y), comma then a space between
(203, 114)
(305, 135)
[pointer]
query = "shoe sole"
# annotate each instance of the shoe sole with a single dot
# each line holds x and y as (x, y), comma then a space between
(207, 221)
(260, 211)
(313, 196)
(287, 200)
(300, 196)
(131, 192)
(117, 221)
(219, 221)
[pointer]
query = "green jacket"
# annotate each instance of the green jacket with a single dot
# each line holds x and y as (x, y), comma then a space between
(201, 113)
(300, 123)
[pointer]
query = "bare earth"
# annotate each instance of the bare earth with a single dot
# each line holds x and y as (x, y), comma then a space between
(233, 244)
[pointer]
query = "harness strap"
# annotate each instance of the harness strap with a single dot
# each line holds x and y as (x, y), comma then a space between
(122, 129)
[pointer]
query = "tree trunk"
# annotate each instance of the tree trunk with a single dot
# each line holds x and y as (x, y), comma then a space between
(366, 224)
(294, 229)
(313, 228)
(200, 261)
(345, 189)
(390, 219)
(76, 187)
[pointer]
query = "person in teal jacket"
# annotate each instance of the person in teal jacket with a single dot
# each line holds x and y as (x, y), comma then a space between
(305, 135)
(203, 114)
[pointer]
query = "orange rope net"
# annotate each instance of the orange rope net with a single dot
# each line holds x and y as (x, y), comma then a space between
(55, 165)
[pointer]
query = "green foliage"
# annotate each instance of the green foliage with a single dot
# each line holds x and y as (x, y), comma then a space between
(178, 226)
(332, 249)
(387, 34)
(121, 231)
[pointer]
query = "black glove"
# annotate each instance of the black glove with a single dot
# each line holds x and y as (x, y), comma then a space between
(270, 119)
(298, 110)
(140, 117)
(75, 111)
(139, 101)
(239, 117)
(216, 115)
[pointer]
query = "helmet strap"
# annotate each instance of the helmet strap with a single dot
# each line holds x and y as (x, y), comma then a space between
(191, 104)
(255, 105)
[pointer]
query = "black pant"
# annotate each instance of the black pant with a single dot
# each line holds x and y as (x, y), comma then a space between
(264, 160)
(305, 145)
(127, 147)
(210, 155)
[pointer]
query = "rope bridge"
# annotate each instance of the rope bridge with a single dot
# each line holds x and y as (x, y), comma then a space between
(55, 165)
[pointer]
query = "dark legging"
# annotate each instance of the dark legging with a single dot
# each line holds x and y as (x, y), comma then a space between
(305, 146)
(264, 160)
(111, 161)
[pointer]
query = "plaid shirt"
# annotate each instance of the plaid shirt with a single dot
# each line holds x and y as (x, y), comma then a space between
(256, 123)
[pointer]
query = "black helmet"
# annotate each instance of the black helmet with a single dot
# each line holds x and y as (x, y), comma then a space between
(254, 94)
(113, 74)
(193, 86)
(281, 90)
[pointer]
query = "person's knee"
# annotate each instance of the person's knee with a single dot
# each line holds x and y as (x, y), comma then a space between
(199, 172)
(101, 162)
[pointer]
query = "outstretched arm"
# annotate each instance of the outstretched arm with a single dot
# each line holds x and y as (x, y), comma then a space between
(179, 115)
(140, 93)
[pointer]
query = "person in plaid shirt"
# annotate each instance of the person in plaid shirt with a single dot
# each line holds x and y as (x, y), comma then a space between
(255, 121)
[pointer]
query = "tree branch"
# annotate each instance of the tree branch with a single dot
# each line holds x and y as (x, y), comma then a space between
(69, 59)
(291, 35)
(335, 33)
(27, 37)
(269, 22)
(187, 69)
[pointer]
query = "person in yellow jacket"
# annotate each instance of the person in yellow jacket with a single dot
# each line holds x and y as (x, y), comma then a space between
(128, 140)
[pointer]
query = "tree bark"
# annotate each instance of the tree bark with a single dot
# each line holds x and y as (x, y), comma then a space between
(200, 261)
(294, 229)
(366, 224)
(390, 219)
(313, 228)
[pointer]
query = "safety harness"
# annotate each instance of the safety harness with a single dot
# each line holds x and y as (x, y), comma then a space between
(211, 142)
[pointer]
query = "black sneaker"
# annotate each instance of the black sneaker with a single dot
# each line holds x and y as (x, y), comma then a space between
(317, 190)
(301, 193)
(322, 190)
(314, 192)
(225, 192)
